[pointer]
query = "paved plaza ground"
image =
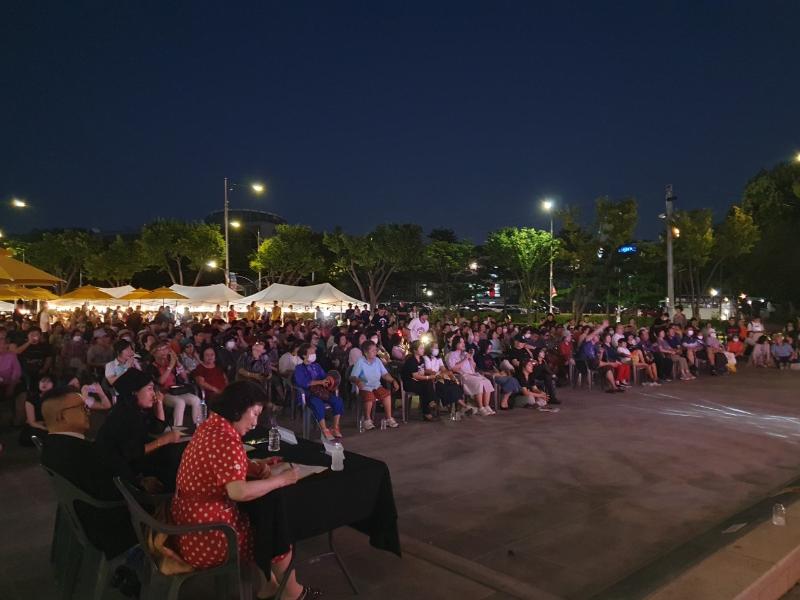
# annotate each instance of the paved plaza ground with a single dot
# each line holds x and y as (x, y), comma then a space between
(577, 504)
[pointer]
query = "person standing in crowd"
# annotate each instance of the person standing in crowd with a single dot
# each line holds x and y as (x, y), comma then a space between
(419, 326)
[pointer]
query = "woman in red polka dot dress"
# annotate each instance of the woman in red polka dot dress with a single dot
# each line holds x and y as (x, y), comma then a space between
(215, 474)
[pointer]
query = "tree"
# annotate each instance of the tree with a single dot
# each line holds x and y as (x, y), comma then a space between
(590, 253)
(693, 247)
(171, 246)
(734, 238)
(116, 264)
(64, 253)
(293, 253)
(446, 260)
(772, 198)
(370, 260)
(524, 252)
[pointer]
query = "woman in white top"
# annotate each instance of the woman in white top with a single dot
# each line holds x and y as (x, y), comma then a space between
(475, 385)
(448, 391)
(355, 351)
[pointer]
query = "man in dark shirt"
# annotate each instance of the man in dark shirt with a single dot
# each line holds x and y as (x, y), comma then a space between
(67, 452)
(381, 323)
(35, 357)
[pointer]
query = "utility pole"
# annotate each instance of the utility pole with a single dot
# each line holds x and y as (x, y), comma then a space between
(225, 226)
(669, 199)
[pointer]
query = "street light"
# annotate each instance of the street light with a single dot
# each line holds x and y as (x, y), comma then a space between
(473, 266)
(236, 224)
(212, 264)
(547, 206)
(257, 188)
(18, 203)
(713, 292)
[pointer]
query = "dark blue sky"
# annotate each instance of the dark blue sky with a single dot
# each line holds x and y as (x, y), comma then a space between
(457, 114)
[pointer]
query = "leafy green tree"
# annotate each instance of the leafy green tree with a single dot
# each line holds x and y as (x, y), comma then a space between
(116, 264)
(693, 248)
(175, 246)
(292, 254)
(592, 265)
(64, 253)
(524, 253)
(772, 198)
(734, 238)
(371, 260)
(447, 260)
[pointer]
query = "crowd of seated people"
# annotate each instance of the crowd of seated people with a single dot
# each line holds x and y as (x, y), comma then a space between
(139, 373)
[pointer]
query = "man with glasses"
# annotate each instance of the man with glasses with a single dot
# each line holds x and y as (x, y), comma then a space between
(67, 452)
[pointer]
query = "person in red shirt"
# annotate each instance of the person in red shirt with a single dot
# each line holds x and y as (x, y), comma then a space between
(231, 314)
(210, 377)
(215, 475)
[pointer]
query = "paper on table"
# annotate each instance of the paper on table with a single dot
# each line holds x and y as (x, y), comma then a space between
(248, 447)
(288, 436)
(306, 470)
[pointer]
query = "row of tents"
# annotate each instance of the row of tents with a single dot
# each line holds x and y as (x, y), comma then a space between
(16, 277)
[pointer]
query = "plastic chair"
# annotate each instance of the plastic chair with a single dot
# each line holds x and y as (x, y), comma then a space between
(154, 582)
(59, 545)
(80, 548)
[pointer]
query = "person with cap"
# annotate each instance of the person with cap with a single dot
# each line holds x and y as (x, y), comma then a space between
(133, 438)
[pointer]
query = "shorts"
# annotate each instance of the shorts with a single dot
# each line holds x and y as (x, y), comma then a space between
(380, 393)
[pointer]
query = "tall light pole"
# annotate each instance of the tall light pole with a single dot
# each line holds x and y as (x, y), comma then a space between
(258, 188)
(669, 199)
(227, 249)
(547, 206)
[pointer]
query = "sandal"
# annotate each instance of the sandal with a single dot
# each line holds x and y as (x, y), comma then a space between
(326, 433)
(337, 433)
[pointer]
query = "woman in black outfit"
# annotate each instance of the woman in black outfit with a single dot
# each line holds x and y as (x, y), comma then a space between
(133, 441)
(416, 381)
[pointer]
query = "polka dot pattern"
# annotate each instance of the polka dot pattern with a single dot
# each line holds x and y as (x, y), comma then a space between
(214, 457)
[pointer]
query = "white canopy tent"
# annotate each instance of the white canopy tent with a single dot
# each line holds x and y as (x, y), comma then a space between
(217, 293)
(6, 306)
(118, 292)
(303, 297)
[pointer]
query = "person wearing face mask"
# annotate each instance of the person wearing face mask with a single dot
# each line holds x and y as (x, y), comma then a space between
(319, 390)
(73, 351)
(215, 476)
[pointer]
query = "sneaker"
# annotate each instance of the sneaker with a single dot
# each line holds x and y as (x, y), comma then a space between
(368, 424)
(390, 422)
(326, 433)
(552, 409)
(656, 384)
(490, 411)
(337, 433)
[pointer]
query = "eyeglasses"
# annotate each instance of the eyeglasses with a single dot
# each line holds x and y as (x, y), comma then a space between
(82, 406)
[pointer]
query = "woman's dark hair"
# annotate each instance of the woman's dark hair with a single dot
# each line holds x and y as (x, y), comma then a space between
(415, 346)
(237, 398)
(397, 339)
(302, 351)
(120, 346)
(455, 341)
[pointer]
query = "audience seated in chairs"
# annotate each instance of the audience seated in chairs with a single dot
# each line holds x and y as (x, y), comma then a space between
(448, 390)
(475, 385)
(173, 382)
(417, 381)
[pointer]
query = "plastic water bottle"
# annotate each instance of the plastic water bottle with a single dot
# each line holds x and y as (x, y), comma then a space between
(779, 514)
(384, 424)
(361, 425)
(201, 418)
(337, 457)
(274, 437)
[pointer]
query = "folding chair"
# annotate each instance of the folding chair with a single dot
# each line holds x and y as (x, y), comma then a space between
(81, 550)
(156, 585)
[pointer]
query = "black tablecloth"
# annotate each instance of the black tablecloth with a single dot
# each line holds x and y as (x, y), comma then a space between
(359, 496)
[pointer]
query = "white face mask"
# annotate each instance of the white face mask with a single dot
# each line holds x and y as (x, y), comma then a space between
(312, 358)
(76, 338)
(527, 336)
(435, 352)
(230, 344)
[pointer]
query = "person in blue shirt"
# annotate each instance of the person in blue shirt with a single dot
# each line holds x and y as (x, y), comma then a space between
(311, 379)
(782, 352)
(367, 375)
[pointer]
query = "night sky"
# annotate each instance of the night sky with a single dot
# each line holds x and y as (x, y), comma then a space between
(454, 114)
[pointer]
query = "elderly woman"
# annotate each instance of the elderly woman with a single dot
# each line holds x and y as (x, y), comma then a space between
(215, 475)
(173, 382)
(209, 376)
(311, 378)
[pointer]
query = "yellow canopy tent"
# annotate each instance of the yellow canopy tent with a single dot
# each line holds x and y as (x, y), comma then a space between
(13, 292)
(139, 294)
(13, 271)
(87, 292)
(43, 294)
(164, 293)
